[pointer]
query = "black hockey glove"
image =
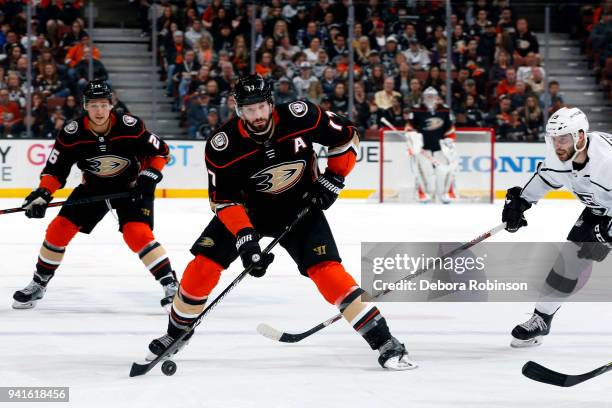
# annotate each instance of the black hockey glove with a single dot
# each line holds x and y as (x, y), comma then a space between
(514, 208)
(326, 191)
(247, 244)
(36, 202)
(146, 182)
(599, 244)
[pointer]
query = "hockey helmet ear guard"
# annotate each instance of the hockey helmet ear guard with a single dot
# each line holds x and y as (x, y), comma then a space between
(567, 122)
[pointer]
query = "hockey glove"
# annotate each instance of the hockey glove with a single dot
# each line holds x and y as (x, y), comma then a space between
(326, 191)
(514, 208)
(36, 202)
(599, 244)
(146, 182)
(247, 244)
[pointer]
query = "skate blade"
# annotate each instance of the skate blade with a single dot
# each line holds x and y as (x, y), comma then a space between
(400, 364)
(24, 305)
(517, 343)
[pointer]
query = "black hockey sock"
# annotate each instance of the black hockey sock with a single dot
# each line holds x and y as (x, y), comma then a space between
(365, 318)
(185, 309)
(546, 317)
(154, 257)
(49, 259)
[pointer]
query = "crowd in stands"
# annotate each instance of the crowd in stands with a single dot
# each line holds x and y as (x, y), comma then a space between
(60, 49)
(596, 35)
(302, 48)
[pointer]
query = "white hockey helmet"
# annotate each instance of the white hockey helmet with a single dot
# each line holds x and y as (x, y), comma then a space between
(430, 97)
(567, 122)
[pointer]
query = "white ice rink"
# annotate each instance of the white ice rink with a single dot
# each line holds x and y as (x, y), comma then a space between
(101, 311)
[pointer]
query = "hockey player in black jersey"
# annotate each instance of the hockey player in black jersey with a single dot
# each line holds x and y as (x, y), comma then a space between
(116, 153)
(262, 170)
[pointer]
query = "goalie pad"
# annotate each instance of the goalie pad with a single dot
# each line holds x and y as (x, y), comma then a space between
(424, 170)
(415, 142)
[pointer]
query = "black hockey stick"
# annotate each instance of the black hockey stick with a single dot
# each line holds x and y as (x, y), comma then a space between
(140, 369)
(284, 337)
(538, 372)
(73, 202)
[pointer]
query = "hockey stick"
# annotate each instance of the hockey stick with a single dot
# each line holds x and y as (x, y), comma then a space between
(538, 372)
(284, 337)
(73, 202)
(140, 369)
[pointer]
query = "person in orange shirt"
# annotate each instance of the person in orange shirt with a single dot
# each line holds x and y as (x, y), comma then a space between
(507, 86)
(10, 117)
(75, 53)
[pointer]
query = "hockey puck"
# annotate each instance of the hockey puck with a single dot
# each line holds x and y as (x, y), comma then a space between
(168, 367)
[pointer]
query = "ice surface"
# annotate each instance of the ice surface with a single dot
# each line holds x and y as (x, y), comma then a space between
(102, 309)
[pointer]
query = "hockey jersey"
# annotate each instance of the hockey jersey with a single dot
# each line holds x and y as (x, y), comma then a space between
(434, 126)
(269, 180)
(109, 162)
(591, 182)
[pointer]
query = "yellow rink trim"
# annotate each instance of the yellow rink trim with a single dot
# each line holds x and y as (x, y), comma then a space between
(203, 193)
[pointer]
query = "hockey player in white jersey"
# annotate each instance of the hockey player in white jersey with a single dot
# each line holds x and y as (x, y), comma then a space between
(582, 162)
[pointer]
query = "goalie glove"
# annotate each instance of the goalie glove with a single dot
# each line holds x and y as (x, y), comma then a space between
(326, 190)
(514, 207)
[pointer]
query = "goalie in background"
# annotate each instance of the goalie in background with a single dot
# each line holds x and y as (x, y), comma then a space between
(431, 139)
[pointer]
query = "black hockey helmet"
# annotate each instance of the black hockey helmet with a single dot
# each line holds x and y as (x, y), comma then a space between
(251, 89)
(97, 89)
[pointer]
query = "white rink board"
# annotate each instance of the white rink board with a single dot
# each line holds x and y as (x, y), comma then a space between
(101, 311)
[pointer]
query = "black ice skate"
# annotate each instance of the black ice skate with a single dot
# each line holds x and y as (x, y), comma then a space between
(27, 297)
(393, 356)
(530, 333)
(157, 346)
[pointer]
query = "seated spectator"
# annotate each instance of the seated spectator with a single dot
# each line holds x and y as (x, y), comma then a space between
(204, 51)
(378, 39)
(312, 52)
(536, 82)
(469, 87)
(328, 82)
(457, 86)
(50, 84)
(265, 66)
(197, 114)
(418, 58)
(416, 89)
(56, 123)
(524, 40)
(284, 53)
(500, 113)
(39, 120)
(394, 114)
(14, 54)
(77, 52)
(375, 81)
(11, 123)
(552, 99)
(384, 98)
(284, 92)
(226, 78)
(200, 80)
(519, 98)
(498, 70)
(507, 86)
(175, 54)
(213, 92)
(185, 72)
(478, 29)
(194, 33)
(322, 62)
(525, 72)
(534, 117)
(487, 44)
(71, 108)
(239, 56)
(362, 51)
(434, 79)
(73, 36)
(387, 56)
(81, 72)
(118, 105)
(302, 82)
(505, 25)
(409, 34)
(361, 107)
(402, 80)
(513, 130)
(469, 114)
(339, 100)
(208, 128)
(16, 90)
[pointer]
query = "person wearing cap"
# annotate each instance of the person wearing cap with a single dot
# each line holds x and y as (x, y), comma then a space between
(206, 129)
(197, 112)
(304, 81)
(418, 58)
(378, 39)
(387, 57)
(283, 92)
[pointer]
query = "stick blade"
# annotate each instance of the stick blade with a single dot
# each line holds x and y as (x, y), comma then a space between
(539, 373)
(139, 369)
(269, 332)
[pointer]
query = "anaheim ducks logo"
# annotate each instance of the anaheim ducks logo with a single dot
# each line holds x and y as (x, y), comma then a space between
(433, 123)
(107, 166)
(280, 177)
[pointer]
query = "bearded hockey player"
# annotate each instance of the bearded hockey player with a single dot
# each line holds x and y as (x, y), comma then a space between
(116, 153)
(433, 147)
(262, 170)
(582, 162)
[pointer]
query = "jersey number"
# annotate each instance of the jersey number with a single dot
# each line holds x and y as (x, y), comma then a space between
(53, 156)
(154, 141)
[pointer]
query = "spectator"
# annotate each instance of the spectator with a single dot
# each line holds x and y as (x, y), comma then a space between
(513, 130)
(338, 48)
(487, 44)
(204, 51)
(11, 124)
(500, 114)
(56, 123)
(469, 88)
(328, 82)
(505, 25)
(240, 55)
(376, 79)
(458, 85)
(321, 64)
(312, 52)
(71, 108)
(394, 114)
(175, 55)
(284, 93)
(525, 72)
(361, 107)
(414, 97)
(200, 80)
(469, 114)
(362, 51)
(207, 129)
(384, 98)
(76, 53)
(552, 99)
(524, 41)
(285, 52)
(402, 80)
(508, 85)
(39, 119)
(418, 58)
(479, 27)
(49, 83)
(339, 100)
(303, 82)
(73, 36)
(266, 66)
(184, 73)
(534, 117)
(16, 92)
(498, 70)
(118, 106)
(434, 79)
(519, 98)
(81, 71)
(195, 32)
(197, 114)
(227, 78)
(387, 56)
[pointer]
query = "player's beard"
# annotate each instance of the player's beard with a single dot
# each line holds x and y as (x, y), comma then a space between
(260, 129)
(565, 154)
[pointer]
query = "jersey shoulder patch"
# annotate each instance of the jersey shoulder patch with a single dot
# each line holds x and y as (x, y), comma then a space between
(128, 124)
(129, 120)
(298, 114)
(298, 109)
(227, 146)
(72, 127)
(219, 141)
